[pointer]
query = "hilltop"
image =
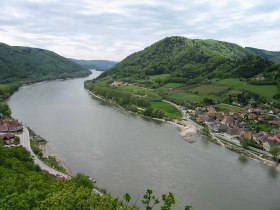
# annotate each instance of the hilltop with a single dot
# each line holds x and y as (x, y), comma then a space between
(191, 61)
(99, 65)
(19, 65)
(189, 72)
(26, 63)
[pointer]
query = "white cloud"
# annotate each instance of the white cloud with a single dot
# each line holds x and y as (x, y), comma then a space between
(110, 29)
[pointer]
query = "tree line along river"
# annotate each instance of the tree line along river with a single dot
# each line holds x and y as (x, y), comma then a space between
(126, 153)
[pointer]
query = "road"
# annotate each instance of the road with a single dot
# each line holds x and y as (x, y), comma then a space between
(25, 142)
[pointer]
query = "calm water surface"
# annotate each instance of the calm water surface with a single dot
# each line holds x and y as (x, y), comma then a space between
(126, 153)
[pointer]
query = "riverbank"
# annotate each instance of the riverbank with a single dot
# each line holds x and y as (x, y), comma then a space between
(189, 128)
(38, 144)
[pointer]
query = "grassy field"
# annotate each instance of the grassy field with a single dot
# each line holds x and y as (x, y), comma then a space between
(264, 90)
(172, 85)
(228, 107)
(210, 89)
(134, 89)
(169, 110)
(160, 76)
(186, 96)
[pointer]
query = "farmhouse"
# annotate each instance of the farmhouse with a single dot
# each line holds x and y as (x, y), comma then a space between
(119, 83)
(8, 138)
(9, 125)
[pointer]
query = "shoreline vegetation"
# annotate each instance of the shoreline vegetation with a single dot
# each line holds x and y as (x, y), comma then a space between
(38, 147)
(188, 128)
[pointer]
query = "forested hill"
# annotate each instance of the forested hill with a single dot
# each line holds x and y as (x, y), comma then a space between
(32, 64)
(269, 55)
(99, 65)
(192, 61)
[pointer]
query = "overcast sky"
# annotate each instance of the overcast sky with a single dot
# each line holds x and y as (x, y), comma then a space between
(113, 29)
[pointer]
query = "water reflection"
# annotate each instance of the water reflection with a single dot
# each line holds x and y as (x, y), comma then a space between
(273, 172)
(243, 159)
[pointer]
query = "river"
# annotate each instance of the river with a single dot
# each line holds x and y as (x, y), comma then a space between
(126, 153)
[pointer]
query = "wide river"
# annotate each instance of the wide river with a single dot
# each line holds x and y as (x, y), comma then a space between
(126, 153)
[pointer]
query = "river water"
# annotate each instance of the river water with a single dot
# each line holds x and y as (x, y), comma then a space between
(126, 153)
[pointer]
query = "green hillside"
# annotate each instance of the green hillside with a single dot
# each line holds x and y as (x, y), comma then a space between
(269, 55)
(189, 72)
(190, 61)
(32, 64)
(21, 65)
(99, 65)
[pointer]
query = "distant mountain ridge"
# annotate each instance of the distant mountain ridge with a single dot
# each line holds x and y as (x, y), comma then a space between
(33, 64)
(269, 55)
(99, 65)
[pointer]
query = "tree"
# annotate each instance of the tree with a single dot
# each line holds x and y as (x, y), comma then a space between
(149, 200)
(5, 109)
(169, 201)
(126, 198)
(81, 180)
(275, 151)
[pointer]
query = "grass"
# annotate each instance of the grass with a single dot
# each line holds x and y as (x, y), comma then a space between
(169, 110)
(36, 142)
(172, 85)
(210, 89)
(267, 91)
(160, 76)
(134, 89)
(228, 107)
(229, 82)
(186, 96)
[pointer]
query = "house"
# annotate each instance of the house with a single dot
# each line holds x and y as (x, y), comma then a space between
(8, 138)
(252, 116)
(234, 131)
(201, 118)
(211, 110)
(274, 139)
(259, 138)
(10, 125)
(222, 128)
(247, 134)
(228, 120)
(274, 122)
(209, 121)
(119, 83)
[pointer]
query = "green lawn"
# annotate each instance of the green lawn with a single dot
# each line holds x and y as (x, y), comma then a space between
(267, 91)
(169, 110)
(172, 85)
(185, 96)
(228, 107)
(160, 76)
(134, 89)
(210, 89)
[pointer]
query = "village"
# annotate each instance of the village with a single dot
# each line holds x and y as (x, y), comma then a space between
(8, 130)
(253, 126)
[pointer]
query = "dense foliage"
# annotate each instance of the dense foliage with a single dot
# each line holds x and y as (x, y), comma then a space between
(25, 63)
(191, 61)
(21, 65)
(24, 186)
(5, 109)
(99, 65)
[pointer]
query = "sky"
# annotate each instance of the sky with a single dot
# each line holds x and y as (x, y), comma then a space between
(113, 29)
